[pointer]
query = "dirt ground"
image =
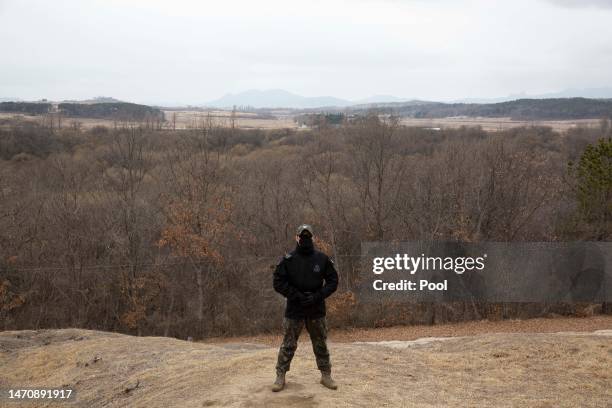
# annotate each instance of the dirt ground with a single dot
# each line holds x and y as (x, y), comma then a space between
(539, 325)
(374, 368)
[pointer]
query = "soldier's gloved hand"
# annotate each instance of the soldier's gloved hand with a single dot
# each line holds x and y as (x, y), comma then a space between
(300, 297)
(317, 297)
(308, 300)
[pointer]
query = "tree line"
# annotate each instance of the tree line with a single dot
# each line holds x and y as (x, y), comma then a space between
(120, 111)
(520, 109)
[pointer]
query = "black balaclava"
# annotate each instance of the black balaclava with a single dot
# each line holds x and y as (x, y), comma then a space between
(305, 245)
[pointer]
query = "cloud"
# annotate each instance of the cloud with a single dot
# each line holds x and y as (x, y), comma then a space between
(193, 51)
(582, 3)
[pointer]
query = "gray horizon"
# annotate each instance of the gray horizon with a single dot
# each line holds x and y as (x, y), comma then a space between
(189, 52)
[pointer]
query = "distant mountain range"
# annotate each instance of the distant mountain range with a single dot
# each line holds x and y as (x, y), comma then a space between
(591, 93)
(279, 98)
(519, 109)
(275, 98)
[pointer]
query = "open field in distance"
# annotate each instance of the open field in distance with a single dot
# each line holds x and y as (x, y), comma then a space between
(84, 123)
(498, 124)
(186, 119)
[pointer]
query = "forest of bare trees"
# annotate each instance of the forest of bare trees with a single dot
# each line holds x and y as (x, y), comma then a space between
(175, 232)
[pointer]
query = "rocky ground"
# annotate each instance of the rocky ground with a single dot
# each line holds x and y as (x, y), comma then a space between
(476, 368)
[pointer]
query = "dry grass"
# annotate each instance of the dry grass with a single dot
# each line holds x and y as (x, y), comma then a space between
(498, 124)
(188, 119)
(67, 122)
(502, 370)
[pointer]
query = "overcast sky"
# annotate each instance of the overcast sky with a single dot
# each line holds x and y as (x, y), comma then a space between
(180, 51)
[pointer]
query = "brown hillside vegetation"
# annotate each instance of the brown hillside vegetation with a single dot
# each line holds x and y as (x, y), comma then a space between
(511, 369)
(165, 233)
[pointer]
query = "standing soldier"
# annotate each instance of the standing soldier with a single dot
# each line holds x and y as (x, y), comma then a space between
(305, 277)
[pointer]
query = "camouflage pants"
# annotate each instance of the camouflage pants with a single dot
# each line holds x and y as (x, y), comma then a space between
(317, 329)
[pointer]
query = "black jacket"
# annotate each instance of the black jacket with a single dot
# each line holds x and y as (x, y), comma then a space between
(297, 274)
